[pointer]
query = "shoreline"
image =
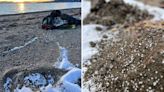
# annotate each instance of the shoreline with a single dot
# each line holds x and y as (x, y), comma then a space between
(42, 2)
(35, 12)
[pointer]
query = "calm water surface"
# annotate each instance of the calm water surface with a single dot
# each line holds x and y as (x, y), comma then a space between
(21, 7)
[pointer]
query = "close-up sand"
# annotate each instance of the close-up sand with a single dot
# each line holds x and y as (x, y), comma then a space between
(128, 54)
(133, 63)
(38, 48)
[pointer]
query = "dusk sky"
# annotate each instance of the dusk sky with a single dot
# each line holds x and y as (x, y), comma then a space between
(25, 0)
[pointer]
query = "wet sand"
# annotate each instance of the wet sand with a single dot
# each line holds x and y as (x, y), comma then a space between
(16, 30)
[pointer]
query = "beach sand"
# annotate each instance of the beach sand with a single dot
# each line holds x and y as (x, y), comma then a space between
(43, 51)
(159, 3)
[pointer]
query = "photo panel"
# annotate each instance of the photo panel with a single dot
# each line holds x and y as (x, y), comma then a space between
(40, 45)
(123, 46)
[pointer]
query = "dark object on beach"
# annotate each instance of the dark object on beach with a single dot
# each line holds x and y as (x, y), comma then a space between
(57, 20)
(96, 4)
(99, 29)
(92, 44)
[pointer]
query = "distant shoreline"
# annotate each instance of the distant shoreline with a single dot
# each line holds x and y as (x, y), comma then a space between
(34, 12)
(40, 2)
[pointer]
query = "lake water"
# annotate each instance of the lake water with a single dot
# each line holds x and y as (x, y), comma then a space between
(15, 8)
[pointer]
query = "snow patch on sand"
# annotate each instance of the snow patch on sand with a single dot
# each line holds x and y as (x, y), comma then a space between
(70, 87)
(49, 88)
(86, 8)
(37, 79)
(89, 34)
(20, 47)
(72, 76)
(23, 89)
(62, 61)
(67, 83)
(7, 85)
